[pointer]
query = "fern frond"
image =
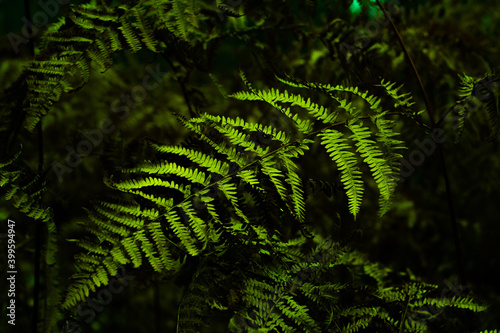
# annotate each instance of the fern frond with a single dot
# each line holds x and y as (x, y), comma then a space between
(346, 161)
(125, 234)
(23, 189)
(402, 100)
(380, 168)
(145, 30)
(467, 84)
(182, 232)
(129, 35)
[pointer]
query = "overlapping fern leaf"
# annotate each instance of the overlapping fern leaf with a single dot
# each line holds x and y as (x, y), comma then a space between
(308, 294)
(376, 147)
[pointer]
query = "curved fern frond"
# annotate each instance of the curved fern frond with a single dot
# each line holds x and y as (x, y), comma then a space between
(232, 185)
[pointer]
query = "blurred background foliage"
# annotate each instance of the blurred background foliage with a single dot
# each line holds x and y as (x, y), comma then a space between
(445, 38)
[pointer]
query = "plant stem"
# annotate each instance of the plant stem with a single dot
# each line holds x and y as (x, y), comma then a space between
(414, 69)
(451, 209)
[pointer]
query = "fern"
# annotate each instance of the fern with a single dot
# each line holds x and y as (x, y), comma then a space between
(473, 94)
(334, 141)
(347, 164)
(273, 305)
(177, 188)
(88, 34)
(23, 190)
(188, 203)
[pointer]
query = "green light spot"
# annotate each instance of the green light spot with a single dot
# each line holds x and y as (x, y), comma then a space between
(355, 8)
(373, 10)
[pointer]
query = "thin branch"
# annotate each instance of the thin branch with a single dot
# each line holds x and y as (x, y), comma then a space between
(414, 69)
(449, 196)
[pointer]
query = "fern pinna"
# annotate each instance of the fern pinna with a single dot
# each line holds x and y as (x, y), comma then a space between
(220, 199)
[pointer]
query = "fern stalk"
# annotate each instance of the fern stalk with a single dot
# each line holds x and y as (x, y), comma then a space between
(413, 67)
(449, 196)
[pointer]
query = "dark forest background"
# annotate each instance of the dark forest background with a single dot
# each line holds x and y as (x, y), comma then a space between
(444, 38)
